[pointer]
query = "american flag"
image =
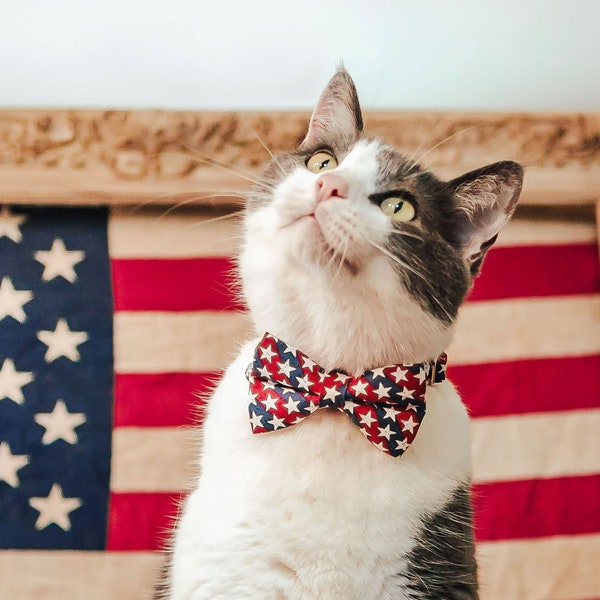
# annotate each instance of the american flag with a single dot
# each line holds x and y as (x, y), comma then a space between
(112, 321)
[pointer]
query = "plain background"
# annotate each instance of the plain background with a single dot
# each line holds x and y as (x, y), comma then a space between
(269, 54)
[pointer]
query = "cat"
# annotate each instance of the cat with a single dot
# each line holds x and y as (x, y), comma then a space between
(354, 258)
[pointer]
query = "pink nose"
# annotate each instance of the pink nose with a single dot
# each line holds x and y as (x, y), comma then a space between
(331, 185)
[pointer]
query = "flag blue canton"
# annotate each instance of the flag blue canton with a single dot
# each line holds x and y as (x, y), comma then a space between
(56, 378)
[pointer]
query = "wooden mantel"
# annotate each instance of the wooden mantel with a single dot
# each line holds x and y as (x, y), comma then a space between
(132, 157)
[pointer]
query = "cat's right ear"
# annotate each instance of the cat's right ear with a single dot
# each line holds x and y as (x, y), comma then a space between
(337, 116)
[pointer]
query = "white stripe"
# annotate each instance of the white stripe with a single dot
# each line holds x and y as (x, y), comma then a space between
(560, 568)
(498, 330)
(491, 331)
(73, 575)
(161, 459)
(505, 448)
(159, 342)
(546, 231)
(536, 446)
(157, 233)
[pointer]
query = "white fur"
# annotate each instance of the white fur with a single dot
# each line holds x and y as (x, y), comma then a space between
(315, 511)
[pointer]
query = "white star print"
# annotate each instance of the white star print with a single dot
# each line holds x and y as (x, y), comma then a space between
(10, 223)
(303, 382)
(289, 350)
(285, 368)
(11, 301)
(422, 376)
(267, 354)
(411, 407)
(390, 413)
(276, 422)
(291, 405)
(378, 372)
(406, 393)
(399, 374)
(264, 371)
(308, 363)
(59, 262)
(360, 387)
(256, 420)
(9, 465)
(55, 508)
(409, 424)
(11, 381)
(62, 342)
(367, 419)
(311, 407)
(402, 445)
(331, 393)
(341, 377)
(60, 424)
(270, 402)
(386, 432)
(380, 446)
(382, 392)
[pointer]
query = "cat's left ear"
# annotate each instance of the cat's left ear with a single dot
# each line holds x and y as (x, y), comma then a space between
(484, 200)
(337, 116)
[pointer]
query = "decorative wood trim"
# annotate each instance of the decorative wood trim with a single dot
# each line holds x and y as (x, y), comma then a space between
(132, 157)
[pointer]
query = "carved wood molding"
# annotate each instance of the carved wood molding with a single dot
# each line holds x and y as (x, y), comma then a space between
(78, 157)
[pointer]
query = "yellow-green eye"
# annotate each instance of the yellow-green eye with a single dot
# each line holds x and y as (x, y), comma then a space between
(399, 209)
(321, 161)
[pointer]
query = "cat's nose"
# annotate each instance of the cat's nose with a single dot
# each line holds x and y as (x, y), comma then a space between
(331, 185)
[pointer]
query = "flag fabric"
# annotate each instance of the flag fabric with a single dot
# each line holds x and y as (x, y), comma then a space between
(112, 323)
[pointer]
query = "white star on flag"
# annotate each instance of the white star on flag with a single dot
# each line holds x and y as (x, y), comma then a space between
(60, 424)
(9, 225)
(422, 376)
(54, 508)
(12, 301)
(267, 354)
(59, 262)
(285, 368)
(360, 387)
(406, 393)
(399, 374)
(11, 381)
(62, 342)
(289, 350)
(411, 407)
(409, 424)
(382, 392)
(378, 372)
(10, 463)
(264, 371)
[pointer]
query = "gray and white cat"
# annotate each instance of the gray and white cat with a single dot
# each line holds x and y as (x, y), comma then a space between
(359, 258)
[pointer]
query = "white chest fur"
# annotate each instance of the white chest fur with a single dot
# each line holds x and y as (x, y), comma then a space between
(314, 511)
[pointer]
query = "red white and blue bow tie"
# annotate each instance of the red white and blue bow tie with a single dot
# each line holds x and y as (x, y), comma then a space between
(386, 404)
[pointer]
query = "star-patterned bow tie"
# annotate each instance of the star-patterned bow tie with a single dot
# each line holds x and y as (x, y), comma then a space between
(386, 404)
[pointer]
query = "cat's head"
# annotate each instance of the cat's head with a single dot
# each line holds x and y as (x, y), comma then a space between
(352, 249)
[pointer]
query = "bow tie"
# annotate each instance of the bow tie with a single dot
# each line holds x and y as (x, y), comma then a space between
(386, 404)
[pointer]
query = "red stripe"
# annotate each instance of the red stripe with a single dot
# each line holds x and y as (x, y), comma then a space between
(503, 510)
(534, 271)
(141, 521)
(174, 284)
(161, 399)
(537, 508)
(528, 386)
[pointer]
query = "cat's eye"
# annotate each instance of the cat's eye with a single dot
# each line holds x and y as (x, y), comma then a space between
(321, 161)
(399, 209)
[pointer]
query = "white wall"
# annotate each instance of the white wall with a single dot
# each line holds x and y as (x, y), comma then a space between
(417, 54)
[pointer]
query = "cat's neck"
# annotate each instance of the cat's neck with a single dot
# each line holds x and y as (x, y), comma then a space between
(344, 329)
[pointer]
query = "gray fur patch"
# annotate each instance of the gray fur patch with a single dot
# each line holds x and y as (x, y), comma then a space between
(442, 564)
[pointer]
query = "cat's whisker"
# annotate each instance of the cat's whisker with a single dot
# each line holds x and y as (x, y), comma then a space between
(268, 150)
(393, 231)
(456, 133)
(226, 217)
(195, 199)
(412, 270)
